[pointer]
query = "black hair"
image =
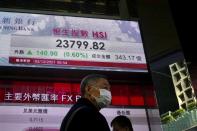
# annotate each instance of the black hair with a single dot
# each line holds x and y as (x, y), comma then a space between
(123, 122)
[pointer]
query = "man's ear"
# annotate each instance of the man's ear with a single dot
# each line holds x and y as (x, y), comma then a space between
(88, 88)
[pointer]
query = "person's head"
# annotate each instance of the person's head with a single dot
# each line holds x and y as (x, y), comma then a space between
(121, 123)
(96, 88)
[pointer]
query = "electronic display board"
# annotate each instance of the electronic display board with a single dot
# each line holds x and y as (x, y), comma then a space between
(51, 41)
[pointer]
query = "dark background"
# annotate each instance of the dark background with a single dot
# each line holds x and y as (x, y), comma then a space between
(184, 15)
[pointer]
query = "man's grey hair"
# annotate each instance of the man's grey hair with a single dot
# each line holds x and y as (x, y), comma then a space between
(88, 80)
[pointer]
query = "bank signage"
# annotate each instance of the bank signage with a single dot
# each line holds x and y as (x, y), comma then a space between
(41, 97)
(70, 42)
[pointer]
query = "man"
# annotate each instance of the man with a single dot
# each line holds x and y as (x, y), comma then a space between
(121, 123)
(85, 115)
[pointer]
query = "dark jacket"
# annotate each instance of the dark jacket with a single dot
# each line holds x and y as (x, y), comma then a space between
(87, 118)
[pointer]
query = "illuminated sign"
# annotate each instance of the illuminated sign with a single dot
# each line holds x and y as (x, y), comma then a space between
(40, 97)
(37, 40)
(46, 118)
(68, 93)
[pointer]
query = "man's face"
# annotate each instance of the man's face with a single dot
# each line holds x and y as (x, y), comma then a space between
(100, 84)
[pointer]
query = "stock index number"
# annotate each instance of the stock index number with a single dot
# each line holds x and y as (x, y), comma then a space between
(80, 44)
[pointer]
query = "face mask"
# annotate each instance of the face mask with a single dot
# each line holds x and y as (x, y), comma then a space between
(104, 99)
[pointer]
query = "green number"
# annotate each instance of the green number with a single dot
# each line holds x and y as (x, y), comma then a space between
(66, 54)
(53, 53)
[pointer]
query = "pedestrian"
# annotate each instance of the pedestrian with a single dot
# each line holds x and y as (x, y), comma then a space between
(85, 115)
(121, 123)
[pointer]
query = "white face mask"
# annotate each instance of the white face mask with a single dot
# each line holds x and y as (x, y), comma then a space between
(104, 99)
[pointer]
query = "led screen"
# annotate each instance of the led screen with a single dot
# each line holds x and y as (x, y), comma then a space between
(46, 118)
(51, 41)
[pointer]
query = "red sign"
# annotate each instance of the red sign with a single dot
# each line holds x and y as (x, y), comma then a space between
(69, 93)
(75, 63)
